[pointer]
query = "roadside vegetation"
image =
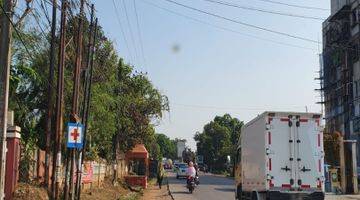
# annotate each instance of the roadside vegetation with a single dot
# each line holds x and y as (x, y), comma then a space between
(125, 105)
(217, 141)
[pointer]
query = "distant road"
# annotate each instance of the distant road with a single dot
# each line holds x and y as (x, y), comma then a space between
(211, 188)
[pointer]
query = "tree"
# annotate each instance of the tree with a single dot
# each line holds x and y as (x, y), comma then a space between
(218, 140)
(332, 149)
(167, 146)
(188, 155)
(124, 105)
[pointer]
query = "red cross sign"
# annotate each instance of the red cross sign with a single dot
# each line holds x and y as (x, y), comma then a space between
(75, 135)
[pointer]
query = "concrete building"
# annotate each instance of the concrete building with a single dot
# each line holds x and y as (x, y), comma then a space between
(340, 71)
(180, 146)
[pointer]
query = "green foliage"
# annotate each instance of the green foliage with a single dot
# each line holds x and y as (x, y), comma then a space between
(332, 149)
(124, 104)
(138, 104)
(219, 140)
(167, 146)
(188, 156)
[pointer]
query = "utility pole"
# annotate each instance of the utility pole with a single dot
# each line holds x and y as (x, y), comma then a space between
(75, 97)
(354, 165)
(87, 88)
(6, 14)
(56, 171)
(50, 96)
(342, 162)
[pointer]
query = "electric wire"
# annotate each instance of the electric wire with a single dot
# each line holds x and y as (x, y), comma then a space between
(294, 5)
(17, 32)
(122, 29)
(51, 3)
(224, 3)
(140, 35)
(45, 11)
(130, 29)
(227, 29)
(244, 24)
(230, 108)
(37, 20)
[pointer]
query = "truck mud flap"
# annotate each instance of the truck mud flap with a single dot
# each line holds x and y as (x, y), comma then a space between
(315, 196)
(275, 195)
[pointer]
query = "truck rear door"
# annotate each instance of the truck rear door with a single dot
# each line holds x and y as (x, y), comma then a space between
(281, 153)
(309, 153)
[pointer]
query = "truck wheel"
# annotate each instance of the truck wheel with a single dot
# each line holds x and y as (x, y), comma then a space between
(254, 196)
(239, 192)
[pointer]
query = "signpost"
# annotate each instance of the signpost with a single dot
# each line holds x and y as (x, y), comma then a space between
(75, 136)
(200, 159)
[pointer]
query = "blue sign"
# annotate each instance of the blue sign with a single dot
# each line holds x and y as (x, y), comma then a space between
(75, 133)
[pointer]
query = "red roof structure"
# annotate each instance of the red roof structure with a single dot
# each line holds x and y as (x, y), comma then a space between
(139, 151)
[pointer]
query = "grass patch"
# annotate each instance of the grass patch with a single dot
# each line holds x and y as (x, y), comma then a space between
(131, 196)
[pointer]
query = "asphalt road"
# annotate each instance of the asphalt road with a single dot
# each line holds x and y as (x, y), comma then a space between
(210, 188)
(216, 187)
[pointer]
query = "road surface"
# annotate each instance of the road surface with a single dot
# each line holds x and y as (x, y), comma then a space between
(211, 188)
(216, 187)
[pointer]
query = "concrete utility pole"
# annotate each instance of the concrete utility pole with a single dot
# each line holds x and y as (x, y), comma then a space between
(86, 98)
(56, 171)
(342, 163)
(50, 96)
(75, 97)
(354, 165)
(6, 14)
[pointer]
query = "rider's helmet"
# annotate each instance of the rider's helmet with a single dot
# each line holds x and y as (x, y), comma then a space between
(191, 164)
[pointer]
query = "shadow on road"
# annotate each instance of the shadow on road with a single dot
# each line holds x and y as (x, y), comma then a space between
(225, 189)
(180, 192)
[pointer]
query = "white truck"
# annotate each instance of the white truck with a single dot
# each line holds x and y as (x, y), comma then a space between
(280, 156)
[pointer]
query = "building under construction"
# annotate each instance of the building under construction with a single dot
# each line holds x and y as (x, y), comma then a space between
(340, 73)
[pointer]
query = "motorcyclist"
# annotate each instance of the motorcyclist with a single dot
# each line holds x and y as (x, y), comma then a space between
(196, 168)
(191, 171)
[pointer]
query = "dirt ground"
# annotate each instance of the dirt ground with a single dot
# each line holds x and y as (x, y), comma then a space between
(26, 191)
(154, 193)
(29, 192)
(108, 192)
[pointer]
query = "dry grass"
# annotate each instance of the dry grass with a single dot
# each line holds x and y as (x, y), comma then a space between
(26, 191)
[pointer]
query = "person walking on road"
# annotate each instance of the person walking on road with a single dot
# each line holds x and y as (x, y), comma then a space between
(160, 174)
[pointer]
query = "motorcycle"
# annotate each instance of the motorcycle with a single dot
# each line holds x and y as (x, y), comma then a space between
(191, 184)
(197, 181)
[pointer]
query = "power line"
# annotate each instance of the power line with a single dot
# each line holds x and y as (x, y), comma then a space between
(122, 29)
(130, 29)
(37, 20)
(44, 9)
(294, 5)
(229, 108)
(244, 24)
(263, 10)
(227, 29)
(17, 32)
(139, 33)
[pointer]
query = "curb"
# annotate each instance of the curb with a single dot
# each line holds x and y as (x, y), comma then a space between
(168, 188)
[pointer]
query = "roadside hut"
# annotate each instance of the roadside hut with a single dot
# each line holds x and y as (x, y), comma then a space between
(138, 165)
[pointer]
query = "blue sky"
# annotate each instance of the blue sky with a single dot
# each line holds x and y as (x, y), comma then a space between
(216, 71)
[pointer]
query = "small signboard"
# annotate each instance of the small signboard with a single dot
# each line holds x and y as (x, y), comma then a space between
(75, 135)
(200, 159)
(88, 171)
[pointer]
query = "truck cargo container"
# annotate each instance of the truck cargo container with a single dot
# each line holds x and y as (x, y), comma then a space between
(280, 156)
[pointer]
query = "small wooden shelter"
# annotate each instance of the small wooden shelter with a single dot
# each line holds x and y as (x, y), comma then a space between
(138, 166)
